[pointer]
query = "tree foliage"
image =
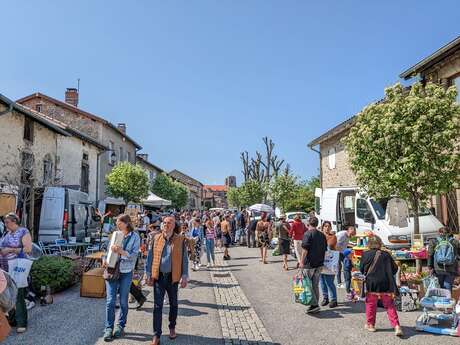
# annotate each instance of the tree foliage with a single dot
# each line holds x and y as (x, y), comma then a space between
(166, 188)
(129, 182)
(304, 198)
(283, 189)
(252, 192)
(408, 144)
(234, 197)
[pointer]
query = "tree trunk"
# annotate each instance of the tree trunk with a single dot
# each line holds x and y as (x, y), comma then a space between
(415, 207)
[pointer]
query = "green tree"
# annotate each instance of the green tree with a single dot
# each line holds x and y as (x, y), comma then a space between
(304, 199)
(180, 195)
(166, 188)
(252, 192)
(408, 145)
(129, 182)
(234, 197)
(283, 189)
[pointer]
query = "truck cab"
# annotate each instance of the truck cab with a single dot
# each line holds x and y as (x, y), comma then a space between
(348, 206)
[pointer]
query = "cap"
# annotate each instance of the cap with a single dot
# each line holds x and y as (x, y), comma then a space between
(347, 252)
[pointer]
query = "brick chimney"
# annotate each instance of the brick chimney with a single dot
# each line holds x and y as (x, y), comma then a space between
(71, 96)
(144, 156)
(122, 127)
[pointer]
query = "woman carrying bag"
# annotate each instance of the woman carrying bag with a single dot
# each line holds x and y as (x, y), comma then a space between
(379, 268)
(118, 279)
(16, 243)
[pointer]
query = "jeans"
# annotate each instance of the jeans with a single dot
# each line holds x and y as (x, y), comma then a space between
(388, 304)
(237, 235)
(314, 274)
(160, 286)
(446, 281)
(347, 276)
(120, 286)
(327, 285)
(210, 250)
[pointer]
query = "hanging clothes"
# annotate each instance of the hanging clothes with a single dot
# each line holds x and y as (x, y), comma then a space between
(397, 213)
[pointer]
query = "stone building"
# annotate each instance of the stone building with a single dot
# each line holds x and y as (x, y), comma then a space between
(151, 169)
(215, 196)
(194, 188)
(230, 181)
(38, 151)
(120, 147)
(443, 67)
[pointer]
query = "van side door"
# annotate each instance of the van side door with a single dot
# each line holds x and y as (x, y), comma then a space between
(365, 219)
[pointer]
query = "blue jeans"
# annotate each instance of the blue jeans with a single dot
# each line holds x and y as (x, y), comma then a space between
(347, 276)
(210, 250)
(327, 285)
(446, 281)
(120, 286)
(160, 287)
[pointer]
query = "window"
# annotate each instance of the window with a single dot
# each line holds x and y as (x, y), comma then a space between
(121, 157)
(129, 156)
(84, 183)
(85, 156)
(27, 164)
(153, 175)
(362, 208)
(456, 82)
(331, 158)
(38, 107)
(111, 153)
(28, 129)
(47, 171)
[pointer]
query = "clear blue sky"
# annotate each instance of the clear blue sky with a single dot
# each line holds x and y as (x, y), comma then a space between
(197, 82)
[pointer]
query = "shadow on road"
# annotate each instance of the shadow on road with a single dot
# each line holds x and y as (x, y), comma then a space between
(210, 305)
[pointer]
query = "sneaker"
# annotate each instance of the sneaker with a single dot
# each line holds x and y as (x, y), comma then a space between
(333, 304)
(324, 303)
(370, 328)
(108, 334)
(118, 332)
(29, 304)
(208, 265)
(349, 297)
(398, 331)
(313, 309)
(21, 330)
(341, 286)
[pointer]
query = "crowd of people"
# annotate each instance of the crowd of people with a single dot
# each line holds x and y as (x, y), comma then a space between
(170, 243)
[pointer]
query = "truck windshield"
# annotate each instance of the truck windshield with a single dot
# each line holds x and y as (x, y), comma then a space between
(380, 207)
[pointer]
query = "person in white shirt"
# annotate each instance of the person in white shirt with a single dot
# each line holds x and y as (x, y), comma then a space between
(343, 237)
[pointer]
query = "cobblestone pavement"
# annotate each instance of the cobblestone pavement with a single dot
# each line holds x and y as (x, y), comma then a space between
(239, 322)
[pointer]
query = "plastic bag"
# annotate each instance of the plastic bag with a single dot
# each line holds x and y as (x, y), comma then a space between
(430, 282)
(19, 270)
(302, 289)
(331, 262)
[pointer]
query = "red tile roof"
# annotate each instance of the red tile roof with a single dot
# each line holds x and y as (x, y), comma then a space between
(216, 188)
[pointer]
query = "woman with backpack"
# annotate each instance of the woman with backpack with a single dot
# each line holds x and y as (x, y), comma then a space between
(379, 268)
(16, 242)
(443, 254)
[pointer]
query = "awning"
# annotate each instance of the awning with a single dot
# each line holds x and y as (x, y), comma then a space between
(155, 200)
(114, 201)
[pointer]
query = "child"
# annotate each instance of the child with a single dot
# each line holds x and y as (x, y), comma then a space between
(347, 266)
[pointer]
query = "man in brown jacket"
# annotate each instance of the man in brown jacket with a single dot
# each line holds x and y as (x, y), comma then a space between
(166, 267)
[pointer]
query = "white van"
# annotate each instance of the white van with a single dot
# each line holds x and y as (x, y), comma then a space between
(347, 206)
(65, 213)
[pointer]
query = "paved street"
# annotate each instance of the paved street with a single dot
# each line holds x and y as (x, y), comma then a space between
(241, 302)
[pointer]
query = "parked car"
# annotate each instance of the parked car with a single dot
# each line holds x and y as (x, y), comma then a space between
(303, 215)
(65, 213)
(348, 206)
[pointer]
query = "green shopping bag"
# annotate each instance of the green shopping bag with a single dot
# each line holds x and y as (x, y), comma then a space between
(302, 289)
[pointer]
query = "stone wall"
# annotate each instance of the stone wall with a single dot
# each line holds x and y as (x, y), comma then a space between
(339, 175)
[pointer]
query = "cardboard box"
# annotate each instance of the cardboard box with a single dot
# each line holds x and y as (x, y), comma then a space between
(93, 283)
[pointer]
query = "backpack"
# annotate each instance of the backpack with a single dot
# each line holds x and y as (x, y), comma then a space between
(8, 296)
(444, 254)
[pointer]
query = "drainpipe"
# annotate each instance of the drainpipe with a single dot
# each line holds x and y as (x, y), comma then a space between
(320, 166)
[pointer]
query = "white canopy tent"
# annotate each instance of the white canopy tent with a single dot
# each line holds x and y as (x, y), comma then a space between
(155, 200)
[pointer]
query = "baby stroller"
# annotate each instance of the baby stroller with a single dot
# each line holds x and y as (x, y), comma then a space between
(441, 314)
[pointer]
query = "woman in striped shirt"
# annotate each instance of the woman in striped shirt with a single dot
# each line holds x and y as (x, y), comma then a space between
(210, 235)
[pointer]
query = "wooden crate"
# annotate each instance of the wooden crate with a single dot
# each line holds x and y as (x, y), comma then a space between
(93, 283)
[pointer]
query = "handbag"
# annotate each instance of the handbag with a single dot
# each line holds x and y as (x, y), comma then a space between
(113, 273)
(9, 294)
(5, 327)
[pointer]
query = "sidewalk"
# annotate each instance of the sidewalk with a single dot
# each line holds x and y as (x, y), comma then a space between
(72, 320)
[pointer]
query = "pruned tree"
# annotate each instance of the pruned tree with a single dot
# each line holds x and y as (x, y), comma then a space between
(246, 169)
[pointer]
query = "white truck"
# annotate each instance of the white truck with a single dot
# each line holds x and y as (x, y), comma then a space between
(347, 206)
